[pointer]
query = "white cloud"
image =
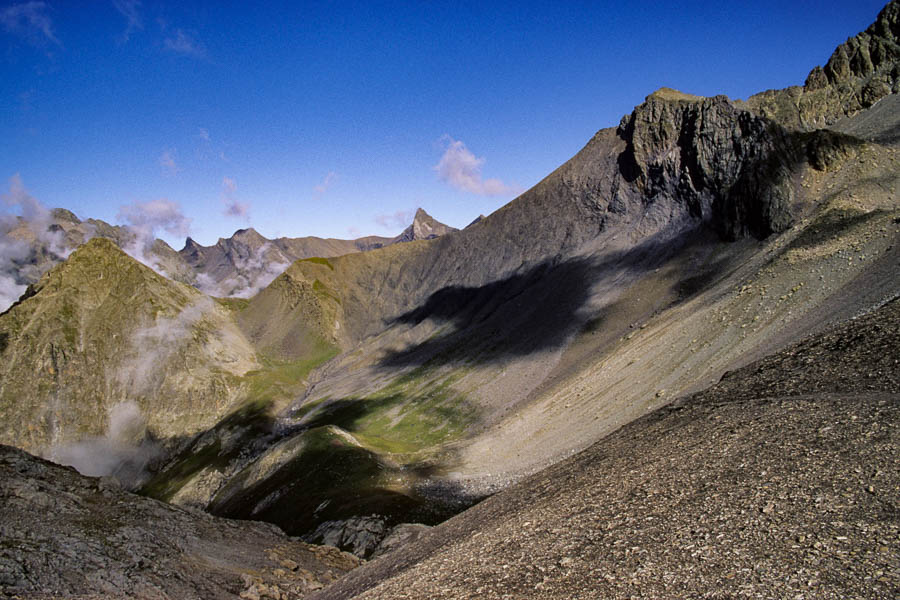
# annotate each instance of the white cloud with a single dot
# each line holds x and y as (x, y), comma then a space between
(203, 134)
(326, 183)
(233, 207)
(401, 218)
(168, 164)
(252, 273)
(144, 220)
(130, 9)
(124, 452)
(30, 21)
(15, 253)
(185, 44)
(462, 170)
(156, 344)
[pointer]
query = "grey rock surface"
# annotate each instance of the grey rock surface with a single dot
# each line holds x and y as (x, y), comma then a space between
(63, 535)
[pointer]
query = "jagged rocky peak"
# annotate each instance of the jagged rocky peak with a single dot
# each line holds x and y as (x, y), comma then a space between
(190, 245)
(62, 214)
(423, 227)
(859, 73)
(726, 165)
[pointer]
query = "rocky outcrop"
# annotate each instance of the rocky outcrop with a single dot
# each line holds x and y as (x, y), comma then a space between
(423, 227)
(64, 535)
(860, 72)
(400, 536)
(358, 535)
(728, 166)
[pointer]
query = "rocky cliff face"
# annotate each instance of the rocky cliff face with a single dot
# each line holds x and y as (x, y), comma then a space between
(860, 72)
(727, 166)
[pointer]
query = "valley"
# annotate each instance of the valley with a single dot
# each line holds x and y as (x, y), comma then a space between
(668, 369)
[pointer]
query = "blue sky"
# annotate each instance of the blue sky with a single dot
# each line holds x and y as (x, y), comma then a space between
(339, 119)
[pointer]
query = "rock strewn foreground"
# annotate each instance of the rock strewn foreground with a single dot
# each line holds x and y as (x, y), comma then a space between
(756, 488)
(63, 535)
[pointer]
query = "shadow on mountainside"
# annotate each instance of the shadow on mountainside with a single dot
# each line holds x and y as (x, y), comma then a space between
(244, 432)
(541, 308)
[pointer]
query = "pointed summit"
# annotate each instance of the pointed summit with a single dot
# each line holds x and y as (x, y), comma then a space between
(423, 227)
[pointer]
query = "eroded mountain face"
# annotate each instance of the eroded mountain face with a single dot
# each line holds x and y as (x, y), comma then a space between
(408, 380)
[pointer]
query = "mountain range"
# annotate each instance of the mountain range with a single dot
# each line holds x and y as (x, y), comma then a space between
(691, 322)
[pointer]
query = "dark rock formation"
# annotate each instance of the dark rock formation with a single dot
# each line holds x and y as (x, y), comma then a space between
(63, 535)
(728, 166)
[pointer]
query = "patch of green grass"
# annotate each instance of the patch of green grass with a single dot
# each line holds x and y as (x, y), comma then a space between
(279, 380)
(323, 290)
(319, 261)
(415, 412)
(233, 304)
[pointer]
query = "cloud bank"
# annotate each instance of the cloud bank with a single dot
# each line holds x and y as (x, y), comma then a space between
(253, 272)
(401, 218)
(124, 452)
(461, 169)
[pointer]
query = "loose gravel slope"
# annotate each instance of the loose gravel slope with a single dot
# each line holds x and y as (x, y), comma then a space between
(782, 481)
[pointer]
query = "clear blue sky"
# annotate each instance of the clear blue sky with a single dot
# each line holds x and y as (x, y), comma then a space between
(331, 118)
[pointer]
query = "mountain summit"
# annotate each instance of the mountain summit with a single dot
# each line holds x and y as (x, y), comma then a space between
(423, 227)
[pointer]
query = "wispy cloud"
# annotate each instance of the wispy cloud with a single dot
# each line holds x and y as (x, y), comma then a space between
(185, 44)
(144, 220)
(30, 21)
(124, 452)
(29, 215)
(203, 134)
(326, 183)
(354, 232)
(401, 218)
(461, 169)
(233, 208)
(251, 273)
(168, 164)
(131, 10)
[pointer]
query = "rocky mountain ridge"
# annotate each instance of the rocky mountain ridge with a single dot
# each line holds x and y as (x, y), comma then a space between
(861, 72)
(406, 382)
